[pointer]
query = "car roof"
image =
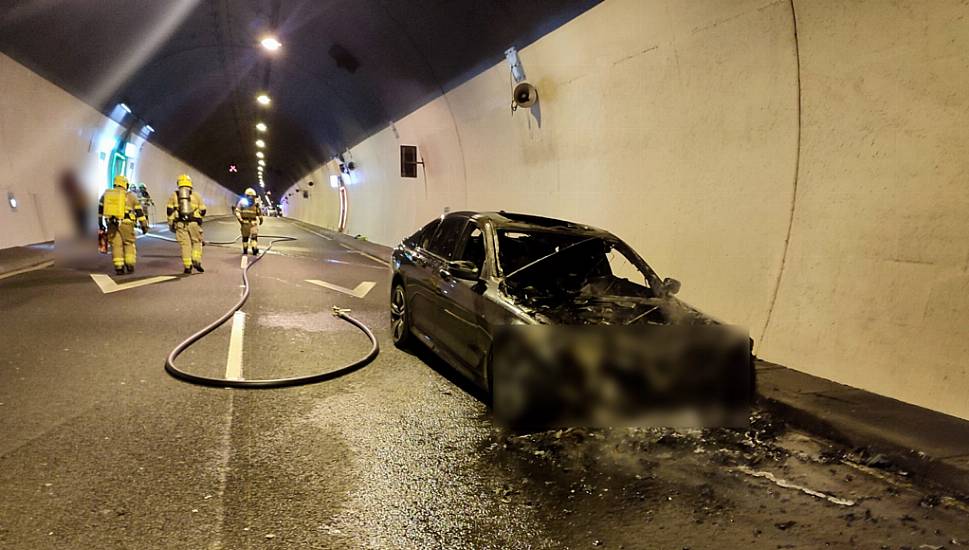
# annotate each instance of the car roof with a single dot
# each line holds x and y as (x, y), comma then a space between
(511, 221)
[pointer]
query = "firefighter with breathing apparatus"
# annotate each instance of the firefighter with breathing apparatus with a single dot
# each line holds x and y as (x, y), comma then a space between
(185, 213)
(118, 211)
(249, 214)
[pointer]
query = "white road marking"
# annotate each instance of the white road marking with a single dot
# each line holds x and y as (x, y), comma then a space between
(374, 258)
(107, 284)
(27, 269)
(233, 363)
(317, 234)
(245, 262)
(362, 289)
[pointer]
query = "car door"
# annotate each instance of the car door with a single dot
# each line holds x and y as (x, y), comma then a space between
(426, 301)
(417, 276)
(464, 331)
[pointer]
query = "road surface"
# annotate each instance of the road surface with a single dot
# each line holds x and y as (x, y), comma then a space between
(100, 448)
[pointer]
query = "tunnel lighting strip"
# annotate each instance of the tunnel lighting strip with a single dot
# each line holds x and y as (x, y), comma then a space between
(272, 382)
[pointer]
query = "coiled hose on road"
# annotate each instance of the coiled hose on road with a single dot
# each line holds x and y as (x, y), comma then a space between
(264, 383)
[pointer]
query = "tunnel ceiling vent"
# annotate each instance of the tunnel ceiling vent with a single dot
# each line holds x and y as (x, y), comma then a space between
(344, 59)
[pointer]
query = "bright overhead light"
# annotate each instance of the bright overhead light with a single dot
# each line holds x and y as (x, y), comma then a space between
(149, 129)
(262, 162)
(260, 143)
(261, 184)
(261, 126)
(125, 108)
(271, 43)
(259, 154)
(263, 99)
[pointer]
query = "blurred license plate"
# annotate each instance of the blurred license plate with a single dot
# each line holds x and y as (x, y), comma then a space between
(598, 376)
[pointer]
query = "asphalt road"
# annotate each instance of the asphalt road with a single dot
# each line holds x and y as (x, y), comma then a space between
(100, 448)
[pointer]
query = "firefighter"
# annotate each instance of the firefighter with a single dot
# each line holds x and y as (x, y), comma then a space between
(185, 213)
(118, 211)
(249, 214)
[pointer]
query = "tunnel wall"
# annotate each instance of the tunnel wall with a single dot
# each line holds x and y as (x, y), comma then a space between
(43, 132)
(809, 185)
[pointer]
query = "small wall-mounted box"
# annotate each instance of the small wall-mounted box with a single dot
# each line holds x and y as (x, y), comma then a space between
(408, 161)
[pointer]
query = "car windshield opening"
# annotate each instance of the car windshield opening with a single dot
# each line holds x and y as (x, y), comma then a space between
(551, 265)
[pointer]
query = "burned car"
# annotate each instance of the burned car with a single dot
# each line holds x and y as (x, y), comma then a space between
(465, 281)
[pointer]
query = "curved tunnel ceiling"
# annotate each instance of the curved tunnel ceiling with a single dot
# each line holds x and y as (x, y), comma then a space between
(192, 68)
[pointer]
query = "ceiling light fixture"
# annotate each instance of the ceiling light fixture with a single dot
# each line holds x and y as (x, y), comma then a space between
(263, 99)
(259, 154)
(260, 143)
(261, 126)
(271, 43)
(262, 162)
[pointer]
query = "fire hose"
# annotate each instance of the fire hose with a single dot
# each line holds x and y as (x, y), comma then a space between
(341, 313)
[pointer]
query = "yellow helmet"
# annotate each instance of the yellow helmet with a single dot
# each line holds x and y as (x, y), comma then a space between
(251, 192)
(121, 181)
(184, 181)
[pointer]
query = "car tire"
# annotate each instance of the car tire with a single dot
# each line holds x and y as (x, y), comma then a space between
(400, 317)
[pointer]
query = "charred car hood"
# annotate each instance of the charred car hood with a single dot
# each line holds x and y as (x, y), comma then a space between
(620, 310)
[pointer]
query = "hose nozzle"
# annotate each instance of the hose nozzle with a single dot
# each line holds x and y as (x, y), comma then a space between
(340, 311)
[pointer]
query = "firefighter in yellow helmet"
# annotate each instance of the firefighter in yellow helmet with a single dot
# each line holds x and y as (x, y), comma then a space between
(186, 210)
(249, 214)
(118, 211)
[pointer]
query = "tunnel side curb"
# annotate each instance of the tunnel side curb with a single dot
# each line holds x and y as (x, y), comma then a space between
(927, 445)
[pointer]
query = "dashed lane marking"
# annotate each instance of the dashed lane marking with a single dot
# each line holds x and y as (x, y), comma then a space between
(360, 291)
(233, 362)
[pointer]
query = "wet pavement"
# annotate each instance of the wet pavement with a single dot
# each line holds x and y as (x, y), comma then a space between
(101, 449)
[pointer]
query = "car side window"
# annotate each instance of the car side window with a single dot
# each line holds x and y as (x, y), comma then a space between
(446, 237)
(472, 247)
(427, 233)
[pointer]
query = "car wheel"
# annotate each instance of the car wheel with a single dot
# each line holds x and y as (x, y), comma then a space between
(399, 317)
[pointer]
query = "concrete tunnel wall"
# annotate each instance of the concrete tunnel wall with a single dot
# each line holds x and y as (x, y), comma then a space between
(809, 185)
(45, 130)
